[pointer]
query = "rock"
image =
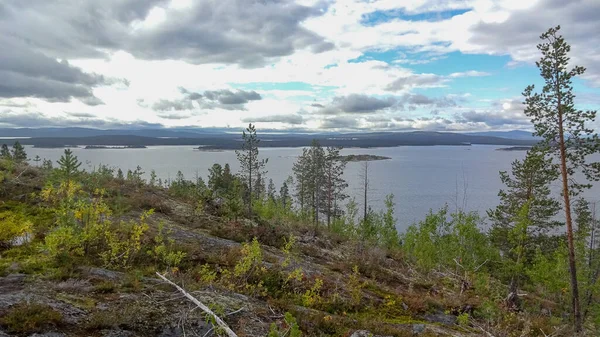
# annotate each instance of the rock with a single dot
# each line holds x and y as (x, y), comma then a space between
(104, 273)
(171, 331)
(365, 333)
(418, 329)
(116, 333)
(440, 318)
(48, 334)
(13, 278)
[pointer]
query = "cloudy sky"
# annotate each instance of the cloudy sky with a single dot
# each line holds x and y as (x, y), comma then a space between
(284, 64)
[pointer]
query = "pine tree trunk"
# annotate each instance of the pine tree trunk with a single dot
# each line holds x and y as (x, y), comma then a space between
(329, 197)
(366, 187)
(571, 244)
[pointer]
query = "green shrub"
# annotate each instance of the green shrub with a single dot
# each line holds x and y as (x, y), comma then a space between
(26, 318)
(14, 225)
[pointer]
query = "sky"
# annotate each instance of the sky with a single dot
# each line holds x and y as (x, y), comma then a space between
(297, 65)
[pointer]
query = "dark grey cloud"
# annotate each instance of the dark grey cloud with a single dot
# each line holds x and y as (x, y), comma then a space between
(81, 114)
(38, 32)
(339, 122)
(293, 119)
(170, 105)
(244, 32)
(415, 80)
(210, 99)
(28, 73)
(363, 104)
(519, 34)
(232, 97)
(419, 99)
(73, 28)
(37, 119)
(357, 104)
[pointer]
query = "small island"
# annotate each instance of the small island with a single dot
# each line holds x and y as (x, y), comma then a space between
(48, 146)
(208, 149)
(362, 157)
(515, 148)
(96, 147)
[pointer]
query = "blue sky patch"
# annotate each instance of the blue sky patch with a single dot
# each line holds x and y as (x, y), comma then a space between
(378, 17)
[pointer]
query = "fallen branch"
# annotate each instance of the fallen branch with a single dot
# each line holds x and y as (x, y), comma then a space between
(204, 308)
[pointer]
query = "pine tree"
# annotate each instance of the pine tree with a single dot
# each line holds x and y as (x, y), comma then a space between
(5, 152)
(301, 170)
(68, 165)
(47, 165)
(529, 183)
(137, 176)
(18, 153)
(259, 187)
(365, 182)
(37, 160)
(250, 165)
(120, 175)
(227, 178)
(271, 190)
(316, 179)
(215, 179)
(564, 133)
(284, 193)
(152, 178)
(524, 217)
(334, 183)
(388, 232)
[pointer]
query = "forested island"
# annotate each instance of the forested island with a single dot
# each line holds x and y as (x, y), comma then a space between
(362, 157)
(102, 147)
(103, 252)
(515, 148)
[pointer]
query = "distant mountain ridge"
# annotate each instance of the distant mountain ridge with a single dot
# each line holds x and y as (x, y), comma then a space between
(79, 132)
(232, 140)
(513, 134)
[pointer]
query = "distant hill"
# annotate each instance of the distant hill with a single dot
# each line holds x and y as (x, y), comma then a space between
(514, 134)
(232, 141)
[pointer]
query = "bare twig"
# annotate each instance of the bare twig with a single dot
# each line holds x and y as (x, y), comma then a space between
(235, 312)
(204, 308)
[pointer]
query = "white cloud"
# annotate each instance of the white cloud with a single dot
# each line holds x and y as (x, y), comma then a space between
(320, 44)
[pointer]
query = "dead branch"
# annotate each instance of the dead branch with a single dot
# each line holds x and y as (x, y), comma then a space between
(204, 308)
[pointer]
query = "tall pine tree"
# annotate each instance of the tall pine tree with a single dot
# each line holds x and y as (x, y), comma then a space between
(68, 165)
(250, 165)
(334, 184)
(5, 152)
(565, 134)
(18, 153)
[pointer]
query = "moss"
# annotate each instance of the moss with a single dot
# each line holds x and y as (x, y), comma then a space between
(105, 287)
(25, 318)
(80, 302)
(103, 320)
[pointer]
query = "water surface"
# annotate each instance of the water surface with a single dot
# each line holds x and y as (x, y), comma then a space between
(420, 177)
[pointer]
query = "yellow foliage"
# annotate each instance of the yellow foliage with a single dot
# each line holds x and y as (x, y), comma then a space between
(313, 295)
(14, 225)
(124, 242)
